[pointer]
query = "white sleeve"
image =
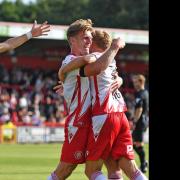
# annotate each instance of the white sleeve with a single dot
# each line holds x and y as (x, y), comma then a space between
(68, 59)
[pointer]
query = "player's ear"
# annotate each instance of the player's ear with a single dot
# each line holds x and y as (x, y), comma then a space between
(72, 40)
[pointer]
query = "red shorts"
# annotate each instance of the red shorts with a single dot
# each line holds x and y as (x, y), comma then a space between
(75, 144)
(110, 136)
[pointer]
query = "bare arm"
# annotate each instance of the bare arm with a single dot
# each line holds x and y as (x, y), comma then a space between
(103, 62)
(137, 114)
(15, 42)
(76, 63)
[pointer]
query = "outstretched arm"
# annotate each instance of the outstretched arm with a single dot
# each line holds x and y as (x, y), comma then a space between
(15, 42)
(103, 61)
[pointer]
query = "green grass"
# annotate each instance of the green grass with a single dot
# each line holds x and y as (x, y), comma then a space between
(35, 162)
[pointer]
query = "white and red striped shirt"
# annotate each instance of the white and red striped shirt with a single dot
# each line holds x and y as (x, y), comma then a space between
(103, 101)
(77, 96)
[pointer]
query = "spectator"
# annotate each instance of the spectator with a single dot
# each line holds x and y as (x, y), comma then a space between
(28, 94)
(5, 116)
(49, 109)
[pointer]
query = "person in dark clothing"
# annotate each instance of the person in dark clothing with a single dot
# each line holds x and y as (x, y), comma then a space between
(49, 109)
(140, 118)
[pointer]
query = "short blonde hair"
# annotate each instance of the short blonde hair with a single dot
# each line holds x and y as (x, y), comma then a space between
(78, 26)
(102, 39)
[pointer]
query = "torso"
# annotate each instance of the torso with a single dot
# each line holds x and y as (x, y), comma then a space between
(103, 101)
(77, 95)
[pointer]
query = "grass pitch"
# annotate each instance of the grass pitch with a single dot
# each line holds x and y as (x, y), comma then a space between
(36, 162)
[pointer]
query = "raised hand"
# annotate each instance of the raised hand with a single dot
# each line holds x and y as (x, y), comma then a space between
(40, 30)
(118, 43)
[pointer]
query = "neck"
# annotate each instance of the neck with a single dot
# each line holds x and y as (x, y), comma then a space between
(141, 88)
(74, 52)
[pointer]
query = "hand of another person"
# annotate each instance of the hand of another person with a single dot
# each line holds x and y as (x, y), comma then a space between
(40, 30)
(59, 88)
(118, 43)
(117, 83)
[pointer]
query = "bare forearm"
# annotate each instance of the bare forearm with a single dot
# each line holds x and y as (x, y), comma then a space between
(137, 114)
(17, 41)
(78, 62)
(4, 47)
(13, 43)
(106, 58)
(102, 62)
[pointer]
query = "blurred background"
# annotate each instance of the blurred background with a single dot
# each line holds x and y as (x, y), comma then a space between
(30, 110)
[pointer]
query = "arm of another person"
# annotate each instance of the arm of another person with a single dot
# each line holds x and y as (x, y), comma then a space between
(138, 109)
(103, 61)
(15, 42)
(76, 63)
(137, 114)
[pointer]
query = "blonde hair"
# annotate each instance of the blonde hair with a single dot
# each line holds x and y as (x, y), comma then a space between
(102, 39)
(78, 26)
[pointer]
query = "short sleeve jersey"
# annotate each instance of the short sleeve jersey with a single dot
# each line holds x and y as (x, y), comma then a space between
(142, 100)
(103, 101)
(76, 94)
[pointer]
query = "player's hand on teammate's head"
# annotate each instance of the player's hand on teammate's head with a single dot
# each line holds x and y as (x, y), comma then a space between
(59, 88)
(40, 30)
(118, 43)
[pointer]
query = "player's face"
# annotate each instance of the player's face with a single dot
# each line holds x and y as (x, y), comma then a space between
(83, 41)
(136, 83)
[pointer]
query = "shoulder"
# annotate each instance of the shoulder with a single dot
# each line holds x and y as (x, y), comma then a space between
(138, 96)
(146, 93)
(143, 94)
(68, 59)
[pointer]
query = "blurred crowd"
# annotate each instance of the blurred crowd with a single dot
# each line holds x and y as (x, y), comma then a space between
(27, 96)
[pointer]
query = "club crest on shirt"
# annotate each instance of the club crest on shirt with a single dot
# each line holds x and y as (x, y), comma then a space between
(78, 155)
